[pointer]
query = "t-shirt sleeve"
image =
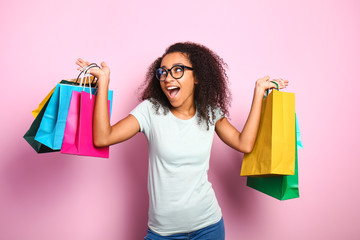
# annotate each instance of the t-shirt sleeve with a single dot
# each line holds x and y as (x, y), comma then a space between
(218, 114)
(142, 113)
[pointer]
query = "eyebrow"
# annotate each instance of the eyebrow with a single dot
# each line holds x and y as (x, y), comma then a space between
(173, 65)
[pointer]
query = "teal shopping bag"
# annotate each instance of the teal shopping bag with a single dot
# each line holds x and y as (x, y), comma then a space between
(280, 187)
(52, 126)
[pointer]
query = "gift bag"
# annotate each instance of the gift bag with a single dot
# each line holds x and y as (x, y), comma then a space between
(36, 111)
(274, 149)
(52, 127)
(78, 138)
(280, 187)
(30, 134)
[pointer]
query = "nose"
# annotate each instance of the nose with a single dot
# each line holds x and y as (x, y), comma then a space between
(169, 78)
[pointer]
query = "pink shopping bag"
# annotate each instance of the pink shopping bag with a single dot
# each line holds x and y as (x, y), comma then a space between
(78, 137)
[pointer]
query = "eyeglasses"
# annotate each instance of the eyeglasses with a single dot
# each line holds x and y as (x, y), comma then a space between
(177, 71)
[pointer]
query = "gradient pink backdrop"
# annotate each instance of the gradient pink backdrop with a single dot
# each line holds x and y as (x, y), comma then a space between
(314, 44)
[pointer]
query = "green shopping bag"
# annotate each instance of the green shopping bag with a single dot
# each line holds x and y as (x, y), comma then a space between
(280, 187)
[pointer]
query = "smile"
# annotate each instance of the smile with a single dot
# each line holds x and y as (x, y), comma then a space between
(173, 91)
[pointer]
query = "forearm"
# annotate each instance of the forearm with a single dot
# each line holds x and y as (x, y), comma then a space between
(244, 141)
(251, 127)
(101, 120)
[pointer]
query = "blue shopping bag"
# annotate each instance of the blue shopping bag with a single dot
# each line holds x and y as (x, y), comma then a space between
(52, 126)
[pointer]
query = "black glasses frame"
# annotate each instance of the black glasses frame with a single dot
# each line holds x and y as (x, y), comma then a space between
(170, 70)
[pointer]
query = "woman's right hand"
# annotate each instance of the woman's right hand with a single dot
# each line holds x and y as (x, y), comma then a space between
(265, 83)
(103, 73)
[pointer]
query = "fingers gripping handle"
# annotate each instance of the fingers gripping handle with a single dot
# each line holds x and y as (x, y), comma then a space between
(85, 73)
(267, 90)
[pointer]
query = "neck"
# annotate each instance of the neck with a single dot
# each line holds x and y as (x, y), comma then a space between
(184, 112)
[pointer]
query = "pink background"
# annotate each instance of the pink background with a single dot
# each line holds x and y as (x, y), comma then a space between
(314, 44)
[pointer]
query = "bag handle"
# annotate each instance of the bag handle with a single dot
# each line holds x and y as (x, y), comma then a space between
(267, 90)
(86, 75)
(89, 76)
(84, 71)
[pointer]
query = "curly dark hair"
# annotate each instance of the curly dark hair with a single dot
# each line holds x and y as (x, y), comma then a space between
(211, 92)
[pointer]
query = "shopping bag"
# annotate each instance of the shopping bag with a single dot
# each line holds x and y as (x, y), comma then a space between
(274, 149)
(78, 138)
(36, 111)
(298, 138)
(30, 134)
(52, 127)
(280, 187)
(70, 140)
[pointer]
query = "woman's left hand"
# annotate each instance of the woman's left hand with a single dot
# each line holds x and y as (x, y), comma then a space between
(265, 83)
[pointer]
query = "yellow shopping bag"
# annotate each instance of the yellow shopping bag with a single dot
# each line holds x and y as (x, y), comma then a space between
(274, 149)
(36, 111)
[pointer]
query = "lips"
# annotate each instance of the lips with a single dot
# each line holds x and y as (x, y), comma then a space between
(173, 91)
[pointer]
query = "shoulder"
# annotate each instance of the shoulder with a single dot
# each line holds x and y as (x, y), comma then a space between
(145, 105)
(216, 113)
(144, 113)
(150, 107)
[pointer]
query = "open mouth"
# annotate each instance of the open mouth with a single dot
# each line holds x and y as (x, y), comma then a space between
(173, 91)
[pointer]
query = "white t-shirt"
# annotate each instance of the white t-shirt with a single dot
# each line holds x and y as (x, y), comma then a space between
(181, 199)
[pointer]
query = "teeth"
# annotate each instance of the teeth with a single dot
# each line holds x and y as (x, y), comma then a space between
(170, 88)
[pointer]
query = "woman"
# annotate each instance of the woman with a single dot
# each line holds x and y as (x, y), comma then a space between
(185, 100)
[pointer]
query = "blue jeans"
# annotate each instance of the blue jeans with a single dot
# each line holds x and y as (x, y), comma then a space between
(213, 232)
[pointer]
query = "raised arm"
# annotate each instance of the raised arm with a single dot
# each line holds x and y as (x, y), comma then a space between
(244, 141)
(103, 133)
